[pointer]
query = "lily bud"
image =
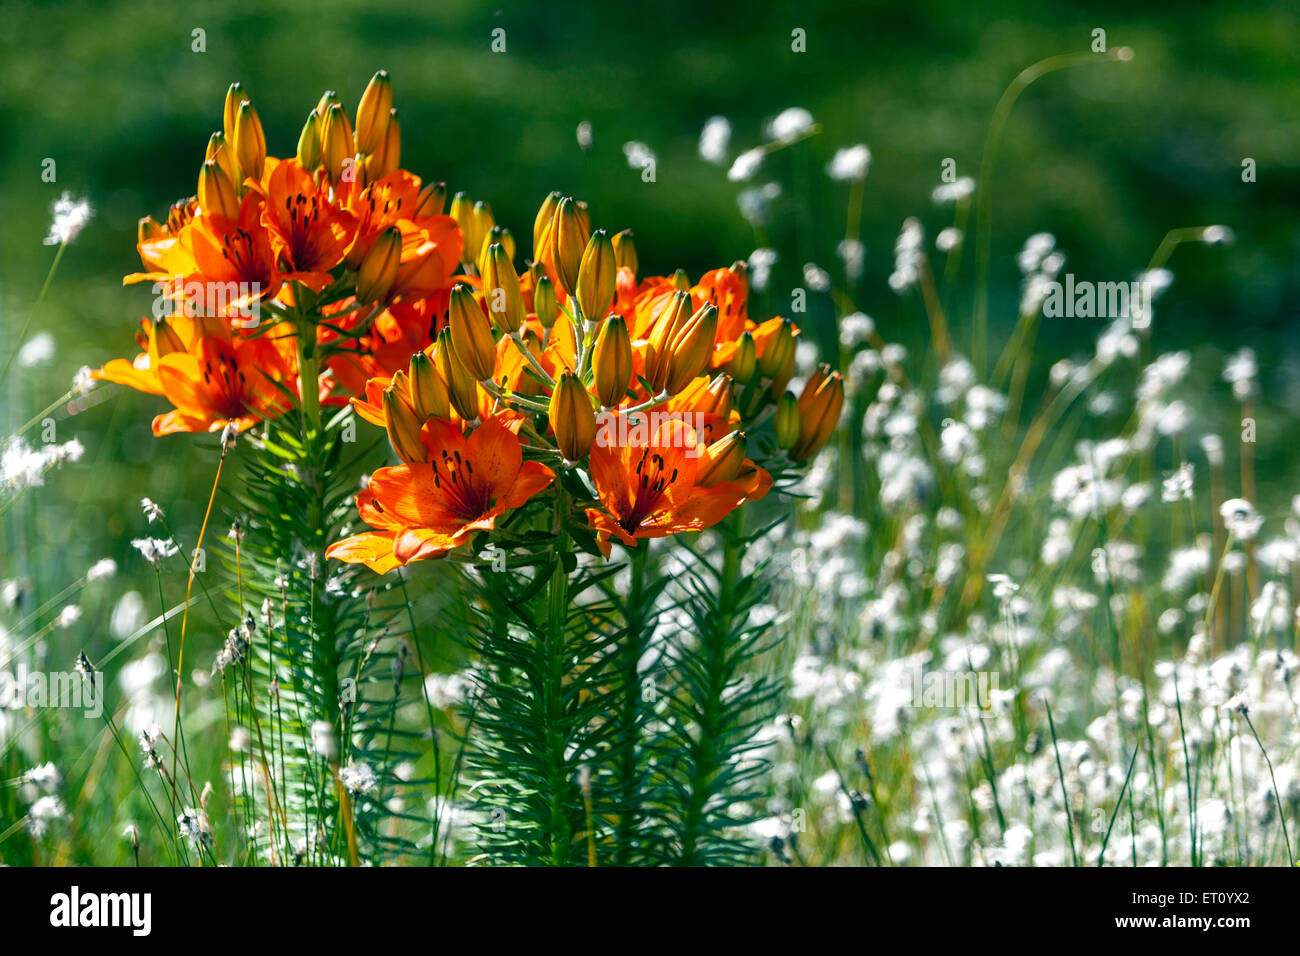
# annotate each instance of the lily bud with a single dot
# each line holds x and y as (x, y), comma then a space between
(216, 192)
(403, 427)
(689, 351)
(611, 361)
(471, 335)
(674, 318)
(584, 218)
(596, 277)
(462, 210)
(501, 288)
(566, 242)
(378, 268)
(165, 339)
(220, 152)
(717, 398)
(481, 222)
(387, 156)
(330, 98)
(681, 280)
(502, 235)
(431, 201)
(572, 418)
(785, 422)
(721, 461)
(778, 349)
(782, 378)
(545, 304)
(625, 251)
(249, 142)
(461, 386)
(230, 111)
(149, 228)
(543, 221)
(819, 412)
(744, 361)
(373, 112)
(429, 395)
(336, 142)
(309, 152)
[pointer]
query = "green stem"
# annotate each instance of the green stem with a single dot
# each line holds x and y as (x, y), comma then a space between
(309, 378)
(713, 645)
(559, 836)
(45, 287)
(984, 200)
(634, 642)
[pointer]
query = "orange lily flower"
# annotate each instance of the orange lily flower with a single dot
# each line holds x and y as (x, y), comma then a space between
(308, 234)
(240, 252)
(648, 485)
(726, 289)
(431, 245)
(156, 339)
(160, 247)
(423, 510)
(212, 378)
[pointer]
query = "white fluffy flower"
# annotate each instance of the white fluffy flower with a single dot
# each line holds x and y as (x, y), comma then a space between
(69, 616)
(323, 741)
(954, 191)
(790, 124)
(850, 163)
(815, 277)
(948, 239)
(638, 154)
(154, 549)
(68, 217)
(45, 811)
(856, 329)
(745, 165)
(1178, 486)
(1034, 251)
(23, 467)
(760, 267)
(359, 778)
(46, 777)
(714, 140)
(1240, 518)
(37, 350)
(907, 256)
(102, 569)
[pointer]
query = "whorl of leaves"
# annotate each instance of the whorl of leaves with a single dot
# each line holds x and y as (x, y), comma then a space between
(541, 729)
(709, 758)
(599, 739)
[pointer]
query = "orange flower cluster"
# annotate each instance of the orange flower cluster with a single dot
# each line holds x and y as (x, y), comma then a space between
(648, 384)
(339, 266)
(339, 230)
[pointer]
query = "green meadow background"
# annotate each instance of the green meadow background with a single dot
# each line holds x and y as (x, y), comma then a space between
(1106, 157)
